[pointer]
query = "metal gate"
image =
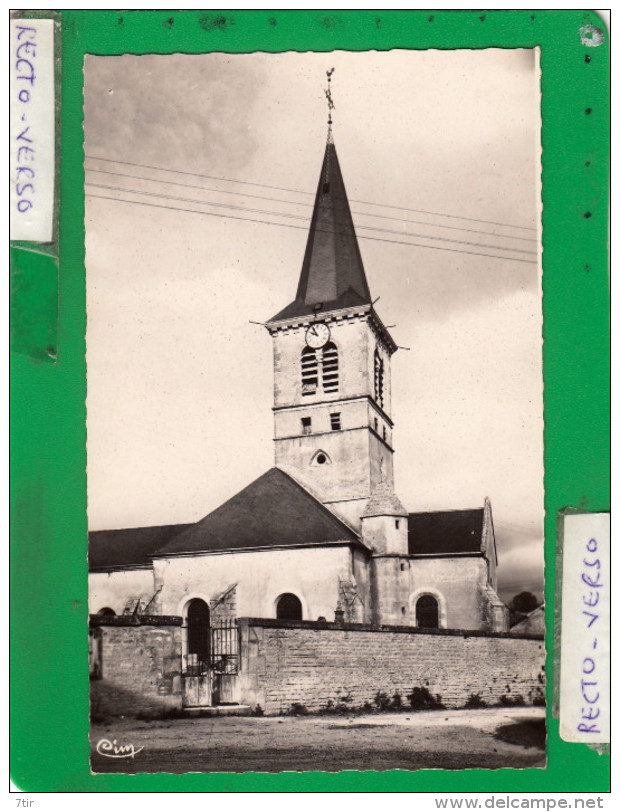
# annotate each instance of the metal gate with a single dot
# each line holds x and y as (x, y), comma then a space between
(209, 677)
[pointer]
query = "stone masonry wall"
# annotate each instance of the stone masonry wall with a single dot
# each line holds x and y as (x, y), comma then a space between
(136, 669)
(287, 662)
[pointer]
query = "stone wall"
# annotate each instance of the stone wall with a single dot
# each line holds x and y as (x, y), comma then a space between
(313, 664)
(135, 666)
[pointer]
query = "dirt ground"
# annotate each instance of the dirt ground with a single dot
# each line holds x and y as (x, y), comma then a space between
(487, 738)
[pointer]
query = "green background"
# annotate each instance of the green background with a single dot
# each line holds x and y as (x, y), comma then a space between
(49, 676)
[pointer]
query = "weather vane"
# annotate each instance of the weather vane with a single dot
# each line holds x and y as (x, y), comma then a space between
(328, 95)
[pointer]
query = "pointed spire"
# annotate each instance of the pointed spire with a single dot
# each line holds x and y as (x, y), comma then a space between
(332, 274)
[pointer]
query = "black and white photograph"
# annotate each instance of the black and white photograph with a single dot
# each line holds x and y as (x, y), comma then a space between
(315, 411)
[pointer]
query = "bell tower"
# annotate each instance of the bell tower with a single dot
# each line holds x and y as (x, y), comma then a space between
(331, 354)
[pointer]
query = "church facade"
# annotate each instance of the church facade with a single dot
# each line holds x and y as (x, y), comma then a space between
(322, 535)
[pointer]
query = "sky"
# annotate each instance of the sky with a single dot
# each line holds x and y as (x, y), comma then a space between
(180, 381)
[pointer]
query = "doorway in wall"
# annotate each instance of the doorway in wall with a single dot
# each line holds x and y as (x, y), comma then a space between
(427, 612)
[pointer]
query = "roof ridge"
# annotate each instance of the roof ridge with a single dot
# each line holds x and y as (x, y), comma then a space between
(140, 527)
(273, 510)
(450, 510)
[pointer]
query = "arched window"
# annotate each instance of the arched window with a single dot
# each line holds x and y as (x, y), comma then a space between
(378, 378)
(198, 636)
(330, 367)
(106, 612)
(309, 371)
(427, 612)
(288, 607)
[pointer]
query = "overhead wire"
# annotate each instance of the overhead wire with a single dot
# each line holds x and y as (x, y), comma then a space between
(301, 217)
(304, 228)
(303, 192)
(307, 205)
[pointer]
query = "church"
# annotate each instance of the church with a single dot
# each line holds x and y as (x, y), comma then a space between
(322, 535)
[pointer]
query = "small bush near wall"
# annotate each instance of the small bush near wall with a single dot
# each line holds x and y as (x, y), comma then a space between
(475, 701)
(422, 699)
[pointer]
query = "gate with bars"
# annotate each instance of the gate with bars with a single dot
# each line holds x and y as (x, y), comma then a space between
(211, 665)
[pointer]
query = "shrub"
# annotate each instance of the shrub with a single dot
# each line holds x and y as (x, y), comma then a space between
(397, 702)
(512, 701)
(382, 701)
(339, 707)
(258, 711)
(475, 701)
(297, 709)
(422, 699)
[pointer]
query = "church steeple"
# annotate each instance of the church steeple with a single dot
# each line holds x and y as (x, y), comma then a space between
(332, 274)
(332, 398)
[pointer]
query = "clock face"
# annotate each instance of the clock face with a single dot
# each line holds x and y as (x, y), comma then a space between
(317, 335)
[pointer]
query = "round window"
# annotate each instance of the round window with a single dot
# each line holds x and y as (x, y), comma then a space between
(321, 459)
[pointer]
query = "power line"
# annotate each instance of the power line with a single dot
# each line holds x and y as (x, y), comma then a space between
(306, 205)
(304, 228)
(302, 192)
(300, 217)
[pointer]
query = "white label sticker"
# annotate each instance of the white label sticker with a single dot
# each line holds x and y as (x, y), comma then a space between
(32, 129)
(585, 643)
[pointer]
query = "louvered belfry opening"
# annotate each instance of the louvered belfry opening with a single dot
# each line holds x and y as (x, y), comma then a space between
(309, 371)
(320, 365)
(378, 379)
(330, 368)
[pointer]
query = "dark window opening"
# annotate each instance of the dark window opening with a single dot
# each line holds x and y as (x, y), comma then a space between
(321, 459)
(288, 607)
(402, 610)
(306, 425)
(427, 612)
(326, 188)
(384, 433)
(106, 612)
(397, 523)
(335, 421)
(402, 567)
(198, 635)
(376, 425)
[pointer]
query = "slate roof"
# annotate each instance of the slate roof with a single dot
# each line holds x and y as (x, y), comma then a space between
(446, 532)
(131, 547)
(273, 511)
(332, 274)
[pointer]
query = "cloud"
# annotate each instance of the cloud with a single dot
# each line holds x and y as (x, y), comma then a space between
(179, 111)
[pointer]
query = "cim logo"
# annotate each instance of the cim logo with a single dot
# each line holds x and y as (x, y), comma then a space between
(112, 749)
